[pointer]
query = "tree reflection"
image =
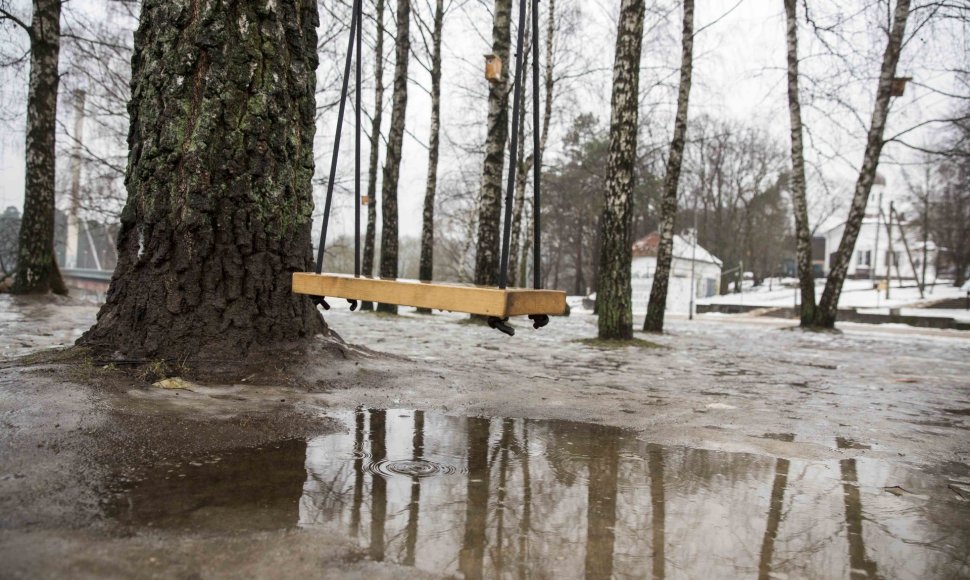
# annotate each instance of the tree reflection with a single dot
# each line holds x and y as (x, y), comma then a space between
(378, 511)
(471, 558)
(417, 452)
(657, 509)
(359, 420)
(604, 462)
(861, 565)
(774, 517)
(525, 526)
(505, 443)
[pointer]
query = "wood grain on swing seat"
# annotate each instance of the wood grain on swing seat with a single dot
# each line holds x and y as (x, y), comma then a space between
(483, 300)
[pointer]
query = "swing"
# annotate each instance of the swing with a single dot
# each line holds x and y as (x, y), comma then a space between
(497, 303)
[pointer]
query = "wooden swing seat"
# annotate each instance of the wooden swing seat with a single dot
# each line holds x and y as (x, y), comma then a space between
(483, 300)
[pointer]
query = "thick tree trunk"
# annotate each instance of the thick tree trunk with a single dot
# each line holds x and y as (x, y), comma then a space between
(37, 271)
(614, 295)
(490, 205)
(827, 310)
(219, 177)
(426, 270)
(799, 193)
(395, 142)
(370, 237)
(657, 305)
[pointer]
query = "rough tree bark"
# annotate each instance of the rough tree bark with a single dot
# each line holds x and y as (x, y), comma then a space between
(395, 142)
(37, 271)
(657, 305)
(426, 268)
(614, 295)
(370, 236)
(827, 310)
(219, 183)
(490, 205)
(799, 193)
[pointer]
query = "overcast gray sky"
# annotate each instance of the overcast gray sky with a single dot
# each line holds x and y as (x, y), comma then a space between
(739, 74)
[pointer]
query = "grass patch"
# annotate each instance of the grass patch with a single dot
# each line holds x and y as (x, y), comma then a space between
(613, 344)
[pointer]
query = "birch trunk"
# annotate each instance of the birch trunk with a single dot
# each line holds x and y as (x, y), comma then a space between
(654, 322)
(37, 271)
(614, 296)
(803, 231)
(490, 205)
(426, 269)
(827, 310)
(395, 142)
(523, 264)
(220, 196)
(370, 236)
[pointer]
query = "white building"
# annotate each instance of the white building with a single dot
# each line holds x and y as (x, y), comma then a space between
(706, 272)
(875, 250)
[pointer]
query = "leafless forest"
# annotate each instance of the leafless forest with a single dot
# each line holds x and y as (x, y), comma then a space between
(735, 178)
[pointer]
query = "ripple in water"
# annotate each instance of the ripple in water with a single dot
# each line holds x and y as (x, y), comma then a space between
(411, 468)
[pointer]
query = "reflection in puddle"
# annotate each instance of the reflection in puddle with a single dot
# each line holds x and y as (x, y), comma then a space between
(526, 498)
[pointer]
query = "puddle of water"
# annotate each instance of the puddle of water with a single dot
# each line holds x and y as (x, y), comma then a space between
(517, 497)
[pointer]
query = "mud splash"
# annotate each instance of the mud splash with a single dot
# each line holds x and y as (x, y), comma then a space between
(519, 497)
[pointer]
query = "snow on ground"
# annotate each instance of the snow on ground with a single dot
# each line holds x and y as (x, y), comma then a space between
(958, 315)
(855, 294)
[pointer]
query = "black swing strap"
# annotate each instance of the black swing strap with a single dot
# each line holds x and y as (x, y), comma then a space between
(354, 33)
(536, 154)
(357, 105)
(513, 150)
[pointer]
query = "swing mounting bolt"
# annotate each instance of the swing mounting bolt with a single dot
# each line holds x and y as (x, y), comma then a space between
(539, 320)
(501, 324)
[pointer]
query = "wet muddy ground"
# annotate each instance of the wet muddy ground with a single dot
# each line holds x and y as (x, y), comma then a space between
(734, 448)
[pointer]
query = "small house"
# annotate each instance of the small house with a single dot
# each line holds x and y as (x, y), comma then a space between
(690, 261)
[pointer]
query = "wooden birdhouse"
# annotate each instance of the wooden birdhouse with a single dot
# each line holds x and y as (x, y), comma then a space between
(899, 86)
(493, 68)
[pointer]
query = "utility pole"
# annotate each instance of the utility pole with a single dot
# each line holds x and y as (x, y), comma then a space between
(875, 250)
(693, 262)
(926, 224)
(909, 256)
(889, 253)
(73, 231)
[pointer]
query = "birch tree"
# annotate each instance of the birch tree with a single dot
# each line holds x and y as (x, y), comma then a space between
(395, 142)
(654, 322)
(827, 310)
(614, 290)
(37, 271)
(219, 182)
(799, 194)
(490, 203)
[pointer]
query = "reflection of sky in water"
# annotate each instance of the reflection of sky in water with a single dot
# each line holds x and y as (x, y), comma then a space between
(555, 499)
